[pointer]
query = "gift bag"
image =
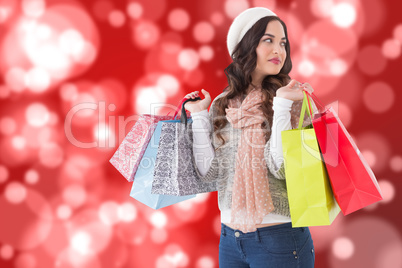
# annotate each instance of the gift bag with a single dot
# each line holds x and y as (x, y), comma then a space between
(353, 182)
(142, 185)
(311, 201)
(128, 156)
(174, 172)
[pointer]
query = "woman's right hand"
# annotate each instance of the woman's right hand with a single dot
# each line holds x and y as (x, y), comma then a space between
(294, 90)
(199, 105)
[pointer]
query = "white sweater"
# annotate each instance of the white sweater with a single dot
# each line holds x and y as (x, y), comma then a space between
(204, 152)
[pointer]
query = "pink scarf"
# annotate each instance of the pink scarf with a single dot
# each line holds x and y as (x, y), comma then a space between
(251, 199)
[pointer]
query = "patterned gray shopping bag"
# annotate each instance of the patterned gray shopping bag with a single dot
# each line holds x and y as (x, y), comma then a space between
(174, 172)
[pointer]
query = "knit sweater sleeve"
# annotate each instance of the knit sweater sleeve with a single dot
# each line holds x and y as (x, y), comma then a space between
(207, 165)
(274, 158)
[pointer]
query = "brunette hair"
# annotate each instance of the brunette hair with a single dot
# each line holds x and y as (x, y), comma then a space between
(239, 77)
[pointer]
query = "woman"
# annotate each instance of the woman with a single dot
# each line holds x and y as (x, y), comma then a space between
(243, 152)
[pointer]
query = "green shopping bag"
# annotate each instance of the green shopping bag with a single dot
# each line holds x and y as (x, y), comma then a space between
(311, 201)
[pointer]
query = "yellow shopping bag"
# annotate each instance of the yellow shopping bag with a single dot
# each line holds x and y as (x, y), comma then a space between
(311, 201)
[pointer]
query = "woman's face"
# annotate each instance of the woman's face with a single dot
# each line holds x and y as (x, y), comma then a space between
(271, 51)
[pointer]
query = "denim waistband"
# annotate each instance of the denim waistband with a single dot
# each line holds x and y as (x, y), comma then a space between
(226, 230)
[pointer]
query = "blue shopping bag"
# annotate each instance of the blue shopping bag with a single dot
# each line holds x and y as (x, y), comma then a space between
(142, 185)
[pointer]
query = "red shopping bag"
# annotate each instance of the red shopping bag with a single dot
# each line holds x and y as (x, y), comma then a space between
(353, 182)
(130, 152)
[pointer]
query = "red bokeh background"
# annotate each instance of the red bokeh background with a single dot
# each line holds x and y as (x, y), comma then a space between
(75, 75)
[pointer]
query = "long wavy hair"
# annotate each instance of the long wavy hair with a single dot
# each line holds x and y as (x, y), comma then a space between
(239, 77)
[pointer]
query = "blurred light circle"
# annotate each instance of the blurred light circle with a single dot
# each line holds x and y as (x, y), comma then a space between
(42, 31)
(37, 80)
(18, 142)
(86, 227)
(235, 7)
(395, 164)
(194, 77)
(397, 33)
(51, 155)
(205, 262)
(371, 60)
(33, 8)
(108, 212)
(54, 119)
(338, 67)
(391, 48)
(158, 219)
(80, 241)
(178, 19)
(6, 252)
(378, 97)
(133, 236)
(15, 192)
(145, 97)
(321, 8)
(63, 212)
(74, 195)
(71, 258)
(37, 115)
(68, 92)
(134, 10)
(343, 15)
(5, 13)
(7, 125)
(3, 173)
(15, 79)
(127, 212)
(175, 255)
(306, 68)
(217, 225)
(103, 134)
(25, 260)
(206, 53)
(71, 42)
(387, 190)
(389, 255)
(343, 248)
(31, 176)
(345, 114)
(169, 84)
(159, 236)
(378, 145)
(217, 18)
(117, 18)
(188, 59)
(4, 92)
(87, 55)
(85, 101)
(28, 212)
(375, 14)
(102, 8)
(171, 43)
(203, 32)
(146, 34)
(327, 41)
(366, 247)
(370, 157)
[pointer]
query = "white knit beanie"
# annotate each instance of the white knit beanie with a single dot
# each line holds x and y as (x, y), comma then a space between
(242, 23)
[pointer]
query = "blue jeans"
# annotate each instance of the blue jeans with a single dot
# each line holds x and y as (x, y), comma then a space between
(273, 246)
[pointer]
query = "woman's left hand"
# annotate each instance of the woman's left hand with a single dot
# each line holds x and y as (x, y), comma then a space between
(307, 87)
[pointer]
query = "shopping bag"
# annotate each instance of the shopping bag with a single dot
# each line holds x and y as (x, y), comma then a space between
(175, 172)
(142, 185)
(311, 201)
(353, 182)
(128, 156)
